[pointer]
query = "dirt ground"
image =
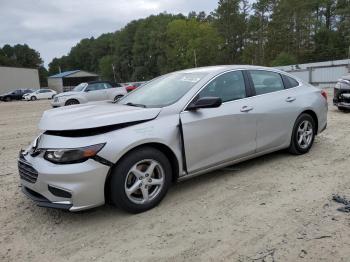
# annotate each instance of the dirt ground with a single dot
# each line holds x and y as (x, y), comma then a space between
(274, 208)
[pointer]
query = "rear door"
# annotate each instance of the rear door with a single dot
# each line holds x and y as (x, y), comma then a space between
(96, 92)
(110, 91)
(275, 104)
(46, 94)
(216, 135)
(40, 94)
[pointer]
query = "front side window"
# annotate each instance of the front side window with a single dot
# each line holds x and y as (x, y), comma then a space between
(266, 82)
(163, 91)
(229, 86)
(80, 87)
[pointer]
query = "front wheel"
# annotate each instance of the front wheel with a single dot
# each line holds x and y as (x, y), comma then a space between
(303, 135)
(33, 98)
(140, 180)
(72, 102)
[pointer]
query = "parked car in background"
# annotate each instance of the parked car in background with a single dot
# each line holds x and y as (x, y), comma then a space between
(132, 86)
(15, 95)
(40, 94)
(91, 91)
(341, 97)
(174, 127)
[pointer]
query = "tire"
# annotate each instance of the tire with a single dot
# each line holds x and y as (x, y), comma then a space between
(343, 109)
(33, 98)
(72, 102)
(117, 98)
(304, 127)
(156, 182)
(7, 99)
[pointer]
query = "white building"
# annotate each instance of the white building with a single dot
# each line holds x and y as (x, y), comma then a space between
(66, 81)
(321, 74)
(12, 78)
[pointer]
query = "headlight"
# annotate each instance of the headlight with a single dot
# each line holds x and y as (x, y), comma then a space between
(73, 155)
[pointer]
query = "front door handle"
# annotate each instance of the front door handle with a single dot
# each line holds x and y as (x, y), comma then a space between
(290, 99)
(246, 108)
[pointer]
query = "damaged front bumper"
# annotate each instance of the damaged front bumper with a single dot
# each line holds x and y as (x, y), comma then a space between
(72, 187)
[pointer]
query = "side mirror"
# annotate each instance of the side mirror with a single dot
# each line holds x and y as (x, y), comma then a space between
(205, 102)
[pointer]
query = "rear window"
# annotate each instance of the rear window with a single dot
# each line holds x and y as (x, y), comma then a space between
(290, 82)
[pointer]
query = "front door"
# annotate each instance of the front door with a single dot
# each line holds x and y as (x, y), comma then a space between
(217, 135)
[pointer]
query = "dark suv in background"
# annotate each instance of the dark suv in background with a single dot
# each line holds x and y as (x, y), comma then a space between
(342, 93)
(15, 95)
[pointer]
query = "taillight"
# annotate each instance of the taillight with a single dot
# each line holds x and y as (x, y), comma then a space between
(324, 94)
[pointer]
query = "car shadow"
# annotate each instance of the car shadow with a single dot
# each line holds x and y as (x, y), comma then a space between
(109, 212)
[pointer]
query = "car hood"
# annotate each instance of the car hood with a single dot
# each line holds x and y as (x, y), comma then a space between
(94, 115)
(70, 93)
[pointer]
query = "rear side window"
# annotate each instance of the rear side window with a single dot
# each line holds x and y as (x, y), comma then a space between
(229, 86)
(290, 82)
(96, 86)
(266, 82)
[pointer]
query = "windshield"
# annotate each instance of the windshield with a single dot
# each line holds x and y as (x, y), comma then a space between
(80, 87)
(163, 91)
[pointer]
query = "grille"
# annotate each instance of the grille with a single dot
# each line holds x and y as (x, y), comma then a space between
(26, 171)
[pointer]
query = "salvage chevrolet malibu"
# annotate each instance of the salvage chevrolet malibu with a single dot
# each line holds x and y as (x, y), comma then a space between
(174, 127)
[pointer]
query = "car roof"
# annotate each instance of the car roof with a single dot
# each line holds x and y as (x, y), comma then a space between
(98, 81)
(223, 68)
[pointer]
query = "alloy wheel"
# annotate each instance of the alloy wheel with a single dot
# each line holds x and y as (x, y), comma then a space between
(305, 134)
(144, 181)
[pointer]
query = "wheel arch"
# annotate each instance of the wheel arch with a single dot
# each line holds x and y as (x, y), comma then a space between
(72, 99)
(168, 152)
(314, 117)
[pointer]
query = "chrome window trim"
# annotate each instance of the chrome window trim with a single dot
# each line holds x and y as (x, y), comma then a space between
(241, 69)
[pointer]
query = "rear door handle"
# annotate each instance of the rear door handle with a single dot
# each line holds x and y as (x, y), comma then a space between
(246, 108)
(290, 99)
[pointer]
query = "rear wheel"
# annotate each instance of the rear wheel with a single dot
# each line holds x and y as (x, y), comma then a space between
(117, 98)
(303, 135)
(72, 102)
(140, 180)
(33, 98)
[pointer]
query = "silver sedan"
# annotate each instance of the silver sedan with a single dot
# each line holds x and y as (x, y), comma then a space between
(174, 127)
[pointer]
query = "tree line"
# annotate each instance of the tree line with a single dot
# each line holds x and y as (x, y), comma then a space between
(267, 32)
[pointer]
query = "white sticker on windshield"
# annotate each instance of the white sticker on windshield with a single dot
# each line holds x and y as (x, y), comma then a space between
(190, 79)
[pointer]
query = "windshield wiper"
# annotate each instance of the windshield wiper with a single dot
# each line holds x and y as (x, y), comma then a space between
(137, 105)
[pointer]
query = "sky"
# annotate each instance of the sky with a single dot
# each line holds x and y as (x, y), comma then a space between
(52, 27)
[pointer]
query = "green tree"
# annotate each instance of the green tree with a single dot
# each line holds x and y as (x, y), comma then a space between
(231, 23)
(106, 68)
(191, 43)
(284, 59)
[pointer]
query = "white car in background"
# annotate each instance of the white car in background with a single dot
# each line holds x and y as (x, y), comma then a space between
(91, 91)
(40, 94)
